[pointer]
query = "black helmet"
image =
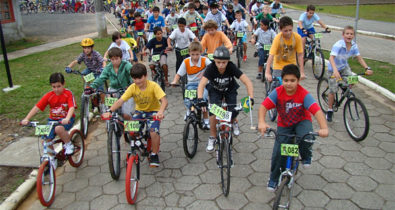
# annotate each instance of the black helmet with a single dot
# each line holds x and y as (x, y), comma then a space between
(222, 53)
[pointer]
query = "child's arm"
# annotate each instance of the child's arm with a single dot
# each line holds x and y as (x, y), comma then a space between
(323, 132)
(268, 73)
(32, 112)
(163, 105)
(253, 41)
(70, 113)
(114, 107)
(105, 58)
(202, 84)
(301, 65)
(262, 125)
(368, 71)
(334, 67)
(322, 24)
(169, 43)
(131, 54)
(72, 63)
(176, 79)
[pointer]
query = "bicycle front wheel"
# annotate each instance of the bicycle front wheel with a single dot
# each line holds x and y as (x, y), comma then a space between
(132, 179)
(318, 64)
(283, 195)
(225, 165)
(322, 94)
(190, 138)
(77, 157)
(114, 153)
(84, 115)
(356, 119)
(46, 183)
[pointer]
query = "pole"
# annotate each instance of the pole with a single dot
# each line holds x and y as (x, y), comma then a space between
(356, 22)
(7, 67)
(101, 24)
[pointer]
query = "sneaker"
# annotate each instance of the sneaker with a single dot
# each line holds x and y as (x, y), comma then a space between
(234, 43)
(210, 144)
(69, 147)
(154, 161)
(244, 58)
(306, 163)
(255, 54)
(271, 186)
(259, 76)
(329, 116)
(54, 162)
(206, 126)
(236, 130)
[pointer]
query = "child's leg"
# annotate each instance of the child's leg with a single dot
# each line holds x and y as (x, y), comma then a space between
(154, 132)
(278, 161)
(62, 133)
(305, 148)
(163, 63)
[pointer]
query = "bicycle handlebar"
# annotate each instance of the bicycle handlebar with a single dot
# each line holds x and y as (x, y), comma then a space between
(274, 131)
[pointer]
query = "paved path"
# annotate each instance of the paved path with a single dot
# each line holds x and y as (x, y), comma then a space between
(344, 174)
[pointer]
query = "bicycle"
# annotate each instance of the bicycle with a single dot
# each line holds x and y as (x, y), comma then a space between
(46, 178)
(355, 114)
(313, 51)
(269, 87)
(240, 47)
(158, 74)
(284, 192)
(190, 137)
(184, 53)
(266, 49)
(140, 44)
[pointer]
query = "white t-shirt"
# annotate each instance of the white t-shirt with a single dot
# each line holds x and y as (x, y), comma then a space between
(257, 9)
(125, 49)
(193, 77)
(239, 26)
(171, 20)
(191, 18)
(182, 39)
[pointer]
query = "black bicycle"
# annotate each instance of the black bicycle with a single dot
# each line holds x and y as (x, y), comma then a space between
(190, 137)
(158, 75)
(313, 51)
(239, 47)
(269, 87)
(355, 114)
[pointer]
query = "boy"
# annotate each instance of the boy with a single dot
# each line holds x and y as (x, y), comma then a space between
(286, 46)
(220, 77)
(194, 68)
(237, 6)
(191, 16)
(294, 105)
(155, 21)
(265, 36)
(157, 45)
(118, 73)
(264, 14)
(213, 38)
(166, 11)
(182, 37)
(339, 68)
(216, 16)
(138, 24)
(62, 105)
(198, 6)
(150, 100)
(240, 25)
(276, 6)
(204, 12)
(125, 36)
(121, 44)
(171, 21)
(230, 13)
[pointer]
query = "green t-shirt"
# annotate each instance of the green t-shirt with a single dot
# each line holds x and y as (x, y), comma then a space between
(119, 80)
(260, 16)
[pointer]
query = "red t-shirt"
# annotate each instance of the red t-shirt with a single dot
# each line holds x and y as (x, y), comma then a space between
(139, 25)
(59, 104)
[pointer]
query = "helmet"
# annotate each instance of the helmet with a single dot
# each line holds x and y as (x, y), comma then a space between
(87, 42)
(222, 53)
(123, 30)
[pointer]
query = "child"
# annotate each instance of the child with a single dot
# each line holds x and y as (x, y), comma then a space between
(257, 8)
(276, 6)
(182, 37)
(264, 14)
(237, 6)
(213, 38)
(294, 105)
(339, 68)
(155, 21)
(198, 6)
(166, 11)
(265, 36)
(130, 41)
(240, 25)
(138, 25)
(61, 102)
(121, 44)
(150, 100)
(194, 68)
(230, 13)
(157, 45)
(149, 13)
(222, 84)
(216, 16)
(191, 16)
(171, 20)
(204, 12)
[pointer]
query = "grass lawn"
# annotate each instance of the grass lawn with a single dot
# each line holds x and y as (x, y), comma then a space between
(32, 73)
(382, 12)
(383, 72)
(21, 44)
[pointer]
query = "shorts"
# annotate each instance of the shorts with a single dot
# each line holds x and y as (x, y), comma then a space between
(310, 31)
(216, 97)
(97, 74)
(244, 39)
(263, 55)
(134, 56)
(154, 124)
(127, 107)
(344, 73)
(194, 86)
(67, 127)
(162, 61)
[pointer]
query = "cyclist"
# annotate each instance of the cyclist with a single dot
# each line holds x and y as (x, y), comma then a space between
(150, 100)
(213, 38)
(305, 24)
(237, 6)
(191, 16)
(118, 73)
(287, 45)
(216, 16)
(62, 104)
(166, 11)
(138, 25)
(194, 68)
(171, 20)
(230, 14)
(241, 25)
(198, 6)
(257, 8)
(182, 37)
(125, 36)
(220, 77)
(276, 6)
(121, 44)
(264, 14)
(294, 105)
(265, 36)
(155, 21)
(339, 68)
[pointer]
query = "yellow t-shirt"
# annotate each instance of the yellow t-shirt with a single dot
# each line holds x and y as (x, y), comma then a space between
(284, 50)
(146, 100)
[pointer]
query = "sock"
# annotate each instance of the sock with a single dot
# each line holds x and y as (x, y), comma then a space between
(206, 121)
(153, 153)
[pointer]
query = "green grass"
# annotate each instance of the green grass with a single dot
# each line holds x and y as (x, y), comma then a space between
(32, 73)
(381, 12)
(21, 44)
(383, 72)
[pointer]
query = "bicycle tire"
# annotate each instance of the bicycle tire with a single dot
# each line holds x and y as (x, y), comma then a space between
(77, 139)
(358, 113)
(224, 157)
(318, 67)
(84, 115)
(114, 153)
(283, 189)
(239, 55)
(131, 179)
(272, 112)
(183, 84)
(46, 176)
(322, 94)
(190, 140)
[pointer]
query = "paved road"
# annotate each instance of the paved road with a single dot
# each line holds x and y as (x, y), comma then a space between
(344, 174)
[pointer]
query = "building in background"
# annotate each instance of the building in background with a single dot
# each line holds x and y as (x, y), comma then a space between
(11, 20)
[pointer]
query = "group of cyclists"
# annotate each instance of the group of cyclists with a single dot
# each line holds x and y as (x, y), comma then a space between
(199, 32)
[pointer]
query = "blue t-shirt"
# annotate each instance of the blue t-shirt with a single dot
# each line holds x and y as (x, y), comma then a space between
(160, 22)
(276, 8)
(308, 23)
(339, 50)
(157, 46)
(165, 12)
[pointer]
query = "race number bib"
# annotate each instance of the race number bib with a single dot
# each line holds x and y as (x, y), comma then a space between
(174, 26)
(352, 80)
(191, 94)
(290, 150)
(132, 126)
(140, 33)
(155, 58)
(43, 130)
(210, 56)
(194, 28)
(318, 35)
(184, 52)
(220, 113)
(89, 77)
(240, 34)
(109, 101)
(267, 46)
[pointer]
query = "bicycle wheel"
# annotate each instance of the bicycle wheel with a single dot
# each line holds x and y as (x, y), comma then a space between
(225, 165)
(114, 153)
(318, 64)
(272, 112)
(132, 179)
(46, 183)
(239, 54)
(322, 94)
(190, 138)
(84, 115)
(283, 195)
(356, 119)
(77, 157)
(182, 84)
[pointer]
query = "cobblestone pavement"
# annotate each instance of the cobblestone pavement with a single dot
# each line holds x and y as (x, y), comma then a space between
(344, 174)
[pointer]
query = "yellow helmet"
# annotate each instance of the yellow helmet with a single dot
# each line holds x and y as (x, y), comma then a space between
(87, 42)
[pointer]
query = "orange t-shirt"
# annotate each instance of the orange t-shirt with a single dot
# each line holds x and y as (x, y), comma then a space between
(212, 42)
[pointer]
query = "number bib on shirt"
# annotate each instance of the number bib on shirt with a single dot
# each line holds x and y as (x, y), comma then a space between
(89, 77)
(109, 101)
(140, 33)
(191, 94)
(184, 52)
(132, 126)
(267, 46)
(352, 80)
(174, 26)
(220, 113)
(194, 28)
(318, 35)
(290, 150)
(43, 130)
(210, 56)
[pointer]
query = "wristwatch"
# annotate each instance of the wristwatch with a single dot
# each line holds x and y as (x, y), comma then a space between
(368, 68)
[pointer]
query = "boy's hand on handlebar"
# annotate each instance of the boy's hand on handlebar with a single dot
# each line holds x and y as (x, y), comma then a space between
(88, 91)
(25, 122)
(327, 30)
(336, 74)
(304, 31)
(67, 69)
(106, 115)
(160, 116)
(269, 77)
(323, 132)
(262, 127)
(368, 72)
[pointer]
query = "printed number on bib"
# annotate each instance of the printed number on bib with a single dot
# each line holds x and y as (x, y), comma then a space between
(290, 150)
(210, 56)
(109, 101)
(318, 35)
(191, 94)
(43, 130)
(89, 77)
(132, 126)
(220, 113)
(352, 80)
(155, 58)
(175, 26)
(140, 33)
(240, 34)
(194, 28)
(267, 46)
(184, 52)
